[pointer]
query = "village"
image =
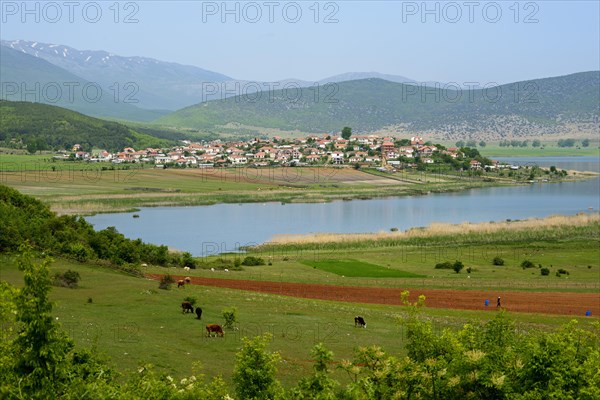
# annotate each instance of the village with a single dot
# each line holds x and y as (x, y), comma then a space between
(383, 153)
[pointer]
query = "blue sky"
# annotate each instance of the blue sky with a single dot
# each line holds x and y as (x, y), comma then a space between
(458, 41)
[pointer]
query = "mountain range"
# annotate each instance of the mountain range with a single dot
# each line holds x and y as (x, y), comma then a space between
(147, 90)
(156, 85)
(513, 110)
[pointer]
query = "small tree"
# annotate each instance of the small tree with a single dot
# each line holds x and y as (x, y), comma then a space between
(255, 370)
(346, 132)
(458, 266)
(230, 316)
(545, 271)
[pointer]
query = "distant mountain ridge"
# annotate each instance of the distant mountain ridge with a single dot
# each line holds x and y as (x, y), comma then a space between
(517, 109)
(27, 78)
(162, 85)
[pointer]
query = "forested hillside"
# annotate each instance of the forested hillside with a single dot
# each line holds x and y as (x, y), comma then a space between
(27, 220)
(49, 127)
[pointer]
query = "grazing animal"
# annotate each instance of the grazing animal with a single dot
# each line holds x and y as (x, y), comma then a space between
(198, 313)
(188, 279)
(186, 268)
(214, 328)
(181, 283)
(360, 321)
(186, 306)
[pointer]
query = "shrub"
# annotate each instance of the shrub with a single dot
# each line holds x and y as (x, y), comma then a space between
(562, 272)
(545, 271)
(498, 261)
(191, 300)
(458, 266)
(165, 282)
(527, 264)
(444, 265)
(67, 279)
(469, 270)
(230, 316)
(236, 263)
(252, 261)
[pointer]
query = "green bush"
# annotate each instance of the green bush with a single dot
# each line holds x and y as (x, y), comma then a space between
(457, 266)
(498, 261)
(68, 279)
(545, 271)
(562, 271)
(527, 264)
(165, 282)
(444, 265)
(230, 316)
(253, 261)
(191, 300)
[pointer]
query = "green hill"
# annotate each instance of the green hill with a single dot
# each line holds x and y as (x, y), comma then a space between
(372, 104)
(51, 127)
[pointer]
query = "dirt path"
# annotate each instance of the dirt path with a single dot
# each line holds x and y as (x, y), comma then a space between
(535, 302)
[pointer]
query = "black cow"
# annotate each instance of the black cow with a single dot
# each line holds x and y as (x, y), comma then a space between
(186, 306)
(198, 313)
(360, 321)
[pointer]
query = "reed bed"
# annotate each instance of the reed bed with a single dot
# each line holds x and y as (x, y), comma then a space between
(556, 227)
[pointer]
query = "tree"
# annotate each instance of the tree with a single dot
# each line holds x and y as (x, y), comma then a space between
(458, 266)
(460, 143)
(482, 144)
(255, 370)
(585, 142)
(536, 143)
(346, 132)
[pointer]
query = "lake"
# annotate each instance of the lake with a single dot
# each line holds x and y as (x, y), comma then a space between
(206, 230)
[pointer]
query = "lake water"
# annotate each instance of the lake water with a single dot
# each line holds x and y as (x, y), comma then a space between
(205, 230)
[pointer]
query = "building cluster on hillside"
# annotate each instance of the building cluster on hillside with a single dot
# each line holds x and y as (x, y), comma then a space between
(369, 150)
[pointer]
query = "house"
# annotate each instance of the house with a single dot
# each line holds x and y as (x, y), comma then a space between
(474, 164)
(337, 157)
(313, 158)
(427, 160)
(387, 146)
(417, 141)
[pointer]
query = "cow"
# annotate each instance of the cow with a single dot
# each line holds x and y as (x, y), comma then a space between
(186, 306)
(186, 268)
(214, 328)
(187, 279)
(181, 283)
(198, 313)
(360, 321)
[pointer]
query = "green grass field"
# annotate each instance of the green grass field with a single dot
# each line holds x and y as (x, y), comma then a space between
(133, 323)
(354, 268)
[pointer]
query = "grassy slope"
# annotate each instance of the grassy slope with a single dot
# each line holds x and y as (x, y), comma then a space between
(133, 322)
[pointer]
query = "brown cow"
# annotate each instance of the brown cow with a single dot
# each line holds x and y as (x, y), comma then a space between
(188, 279)
(181, 283)
(186, 306)
(214, 328)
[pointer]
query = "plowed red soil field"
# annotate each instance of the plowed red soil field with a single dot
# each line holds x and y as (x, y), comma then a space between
(562, 303)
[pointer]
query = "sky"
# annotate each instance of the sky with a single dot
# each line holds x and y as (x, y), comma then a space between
(462, 41)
